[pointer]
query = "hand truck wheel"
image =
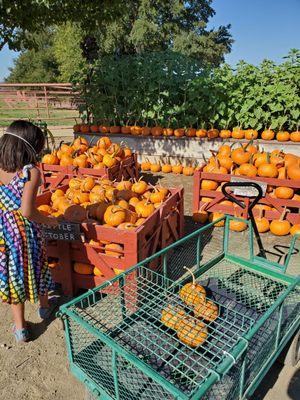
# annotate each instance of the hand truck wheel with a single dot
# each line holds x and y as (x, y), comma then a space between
(290, 355)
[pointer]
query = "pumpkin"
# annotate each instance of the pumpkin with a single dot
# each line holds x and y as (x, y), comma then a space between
(260, 158)
(139, 187)
(127, 152)
(248, 170)
(133, 201)
(290, 159)
(83, 268)
(225, 162)
(179, 132)
(177, 169)
(296, 197)
(208, 310)
(127, 226)
(171, 316)
(191, 332)
(295, 230)
(114, 215)
(262, 223)
(50, 159)
(56, 194)
(140, 221)
(224, 150)
(237, 225)
(207, 184)
(104, 142)
(45, 209)
(239, 156)
(293, 172)
(77, 128)
(66, 160)
(156, 131)
(282, 192)
(282, 136)
(97, 197)
(190, 132)
(201, 133)
(85, 128)
(214, 216)
(157, 197)
(80, 197)
(212, 133)
(80, 145)
(109, 160)
(123, 203)
(166, 168)
(225, 134)
(268, 134)
(192, 293)
(144, 209)
(145, 131)
(295, 136)
(87, 184)
(155, 167)
(146, 166)
(237, 133)
(114, 250)
(267, 170)
(188, 171)
(115, 150)
(125, 130)
(281, 226)
(80, 161)
(115, 129)
(168, 132)
(201, 215)
(124, 185)
(250, 148)
(251, 134)
(75, 213)
(135, 130)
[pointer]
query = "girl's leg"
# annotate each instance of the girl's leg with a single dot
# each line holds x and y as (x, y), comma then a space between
(18, 315)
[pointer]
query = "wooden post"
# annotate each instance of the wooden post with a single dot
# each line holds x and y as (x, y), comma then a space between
(46, 101)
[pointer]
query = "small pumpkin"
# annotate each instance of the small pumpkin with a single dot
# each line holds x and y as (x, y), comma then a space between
(293, 172)
(56, 194)
(114, 215)
(224, 150)
(139, 187)
(212, 133)
(251, 134)
(127, 226)
(126, 130)
(83, 268)
(104, 142)
(215, 216)
(171, 316)
(238, 133)
(179, 132)
(267, 170)
(295, 136)
(114, 129)
(207, 184)
(282, 136)
(192, 293)
(188, 171)
(80, 197)
(201, 133)
(281, 226)
(168, 132)
(225, 134)
(50, 159)
(248, 170)
(124, 185)
(166, 168)
(190, 132)
(192, 332)
(262, 223)
(237, 225)
(239, 156)
(282, 192)
(87, 184)
(177, 169)
(208, 310)
(155, 167)
(144, 208)
(268, 134)
(295, 230)
(146, 166)
(45, 209)
(145, 131)
(156, 131)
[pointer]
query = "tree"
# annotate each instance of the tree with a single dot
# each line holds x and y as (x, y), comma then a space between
(131, 27)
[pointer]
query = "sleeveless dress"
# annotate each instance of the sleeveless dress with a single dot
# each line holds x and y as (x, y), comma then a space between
(24, 273)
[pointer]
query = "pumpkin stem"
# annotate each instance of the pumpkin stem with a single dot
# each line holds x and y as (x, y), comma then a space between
(282, 216)
(260, 213)
(193, 276)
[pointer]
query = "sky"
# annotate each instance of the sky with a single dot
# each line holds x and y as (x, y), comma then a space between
(261, 29)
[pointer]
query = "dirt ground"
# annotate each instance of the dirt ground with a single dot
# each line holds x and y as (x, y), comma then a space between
(39, 370)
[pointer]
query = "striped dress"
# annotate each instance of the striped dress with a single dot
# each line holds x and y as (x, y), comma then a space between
(24, 273)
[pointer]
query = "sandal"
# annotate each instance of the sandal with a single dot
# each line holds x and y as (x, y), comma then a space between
(21, 335)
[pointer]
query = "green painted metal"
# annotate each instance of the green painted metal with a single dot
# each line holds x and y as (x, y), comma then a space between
(116, 328)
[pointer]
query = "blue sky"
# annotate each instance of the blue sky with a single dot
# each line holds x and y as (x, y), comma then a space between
(261, 29)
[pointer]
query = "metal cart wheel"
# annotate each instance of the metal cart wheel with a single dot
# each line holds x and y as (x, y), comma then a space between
(290, 355)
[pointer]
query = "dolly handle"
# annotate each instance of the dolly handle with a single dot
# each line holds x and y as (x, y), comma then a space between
(242, 184)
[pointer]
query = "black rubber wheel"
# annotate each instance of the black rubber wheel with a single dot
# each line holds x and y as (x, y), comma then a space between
(290, 355)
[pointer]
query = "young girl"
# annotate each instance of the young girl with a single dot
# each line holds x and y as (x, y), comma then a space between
(24, 273)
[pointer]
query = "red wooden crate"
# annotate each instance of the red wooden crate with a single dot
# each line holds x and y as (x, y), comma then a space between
(54, 176)
(162, 228)
(218, 197)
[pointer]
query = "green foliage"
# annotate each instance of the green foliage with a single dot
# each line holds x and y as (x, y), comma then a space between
(170, 89)
(67, 52)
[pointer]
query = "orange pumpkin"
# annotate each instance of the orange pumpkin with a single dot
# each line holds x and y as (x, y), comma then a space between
(168, 132)
(295, 136)
(155, 167)
(201, 133)
(83, 268)
(135, 130)
(248, 170)
(215, 216)
(295, 230)
(171, 316)
(66, 160)
(262, 224)
(280, 227)
(45, 209)
(87, 184)
(192, 293)
(237, 133)
(104, 142)
(56, 194)
(212, 133)
(208, 310)
(190, 132)
(207, 184)
(177, 169)
(115, 129)
(144, 209)
(85, 128)
(50, 159)
(239, 156)
(179, 132)
(145, 131)
(200, 216)
(126, 130)
(166, 168)
(109, 161)
(156, 131)
(77, 128)
(282, 192)
(293, 172)
(282, 136)
(188, 171)
(251, 134)
(224, 150)
(80, 161)
(114, 250)
(225, 134)
(80, 197)
(139, 187)
(260, 158)
(127, 226)
(146, 166)
(191, 331)
(268, 134)
(237, 225)
(267, 170)
(114, 215)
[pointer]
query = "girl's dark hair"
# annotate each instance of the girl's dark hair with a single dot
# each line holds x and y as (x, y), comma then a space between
(14, 152)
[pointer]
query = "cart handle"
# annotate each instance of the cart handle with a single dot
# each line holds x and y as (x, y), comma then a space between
(242, 184)
(229, 196)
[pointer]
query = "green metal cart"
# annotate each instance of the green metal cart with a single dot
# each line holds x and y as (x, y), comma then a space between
(118, 347)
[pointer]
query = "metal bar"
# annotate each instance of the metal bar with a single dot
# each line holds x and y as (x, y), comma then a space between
(242, 377)
(115, 373)
(278, 330)
(289, 255)
(226, 235)
(198, 259)
(69, 348)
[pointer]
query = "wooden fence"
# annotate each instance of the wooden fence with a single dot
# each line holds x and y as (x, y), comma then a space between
(48, 102)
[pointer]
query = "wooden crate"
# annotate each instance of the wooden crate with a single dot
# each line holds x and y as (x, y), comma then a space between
(54, 176)
(218, 197)
(162, 228)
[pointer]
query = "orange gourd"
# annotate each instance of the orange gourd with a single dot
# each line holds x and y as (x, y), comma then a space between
(168, 132)
(282, 136)
(295, 230)
(215, 216)
(66, 160)
(156, 131)
(282, 192)
(50, 159)
(237, 133)
(267, 170)
(127, 226)
(114, 250)
(109, 160)
(45, 209)
(126, 130)
(248, 170)
(80, 197)
(190, 132)
(212, 133)
(224, 150)
(85, 128)
(281, 226)
(166, 168)
(260, 158)
(262, 223)
(201, 133)
(207, 184)
(114, 215)
(179, 132)
(155, 167)
(209, 311)
(56, 194)
(268, 134)
(157, 197)
(237, 225)
(171, 316)
(225, 134)
(135, 130)
(80, 161)
(295, 136)
(293, 172)
(146, 166)
(144, 208)
(191, 332)
(104, 142)
(145, 131)
(139, 187)
(87, 184)
(188, 171)
(251, 134)
(239, 156)
(115, 129)
(192, 293)
(177, 169)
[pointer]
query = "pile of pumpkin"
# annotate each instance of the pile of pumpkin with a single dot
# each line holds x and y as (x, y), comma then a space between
(191, 329)
(105, 154)
(248, 161)
(167, 168)
(124, 205)
(236, 133)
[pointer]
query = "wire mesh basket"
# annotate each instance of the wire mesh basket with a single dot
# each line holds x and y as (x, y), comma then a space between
(119, 346)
